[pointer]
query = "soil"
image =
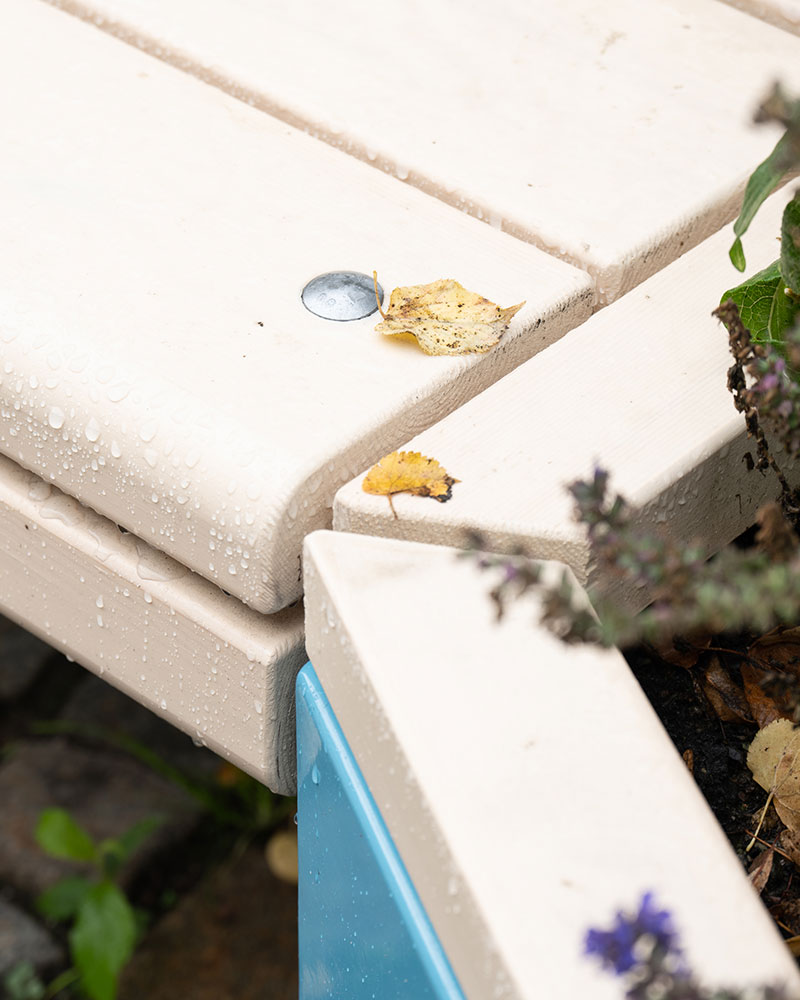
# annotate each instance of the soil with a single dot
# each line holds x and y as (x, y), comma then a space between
(716, 753)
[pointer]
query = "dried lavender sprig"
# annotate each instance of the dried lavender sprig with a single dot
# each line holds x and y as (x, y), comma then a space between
(751, 589)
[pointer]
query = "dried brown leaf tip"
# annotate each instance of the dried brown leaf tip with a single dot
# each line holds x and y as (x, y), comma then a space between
(408, 472)
(445, 318)
(760, 869)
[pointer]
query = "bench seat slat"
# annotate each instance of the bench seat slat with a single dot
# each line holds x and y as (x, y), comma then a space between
(613, 132)
(157, 362)
(171, 640)
(639, 389)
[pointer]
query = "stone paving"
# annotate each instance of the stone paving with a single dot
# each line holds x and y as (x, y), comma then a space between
(224, 928)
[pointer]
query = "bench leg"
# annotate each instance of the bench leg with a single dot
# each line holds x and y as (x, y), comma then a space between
(363, 933)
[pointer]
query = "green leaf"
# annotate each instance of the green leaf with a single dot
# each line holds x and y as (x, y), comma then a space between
(102, 940)
(736, 254)
(22, 983)
(763, 181)
(136, 835)
(766, 310)
(61, 901)
(59, 835)
(790, 245)
(115, 851)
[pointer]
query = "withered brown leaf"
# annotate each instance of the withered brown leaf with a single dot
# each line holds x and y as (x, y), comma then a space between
(726, 697)
(764, 707)
(760, 870)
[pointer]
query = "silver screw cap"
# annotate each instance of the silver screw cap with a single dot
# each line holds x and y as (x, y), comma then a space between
(341, 296)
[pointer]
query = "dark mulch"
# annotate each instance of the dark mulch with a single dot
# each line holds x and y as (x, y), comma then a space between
(718, 752)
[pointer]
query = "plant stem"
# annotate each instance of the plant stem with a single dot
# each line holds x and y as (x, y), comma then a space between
(67, 978)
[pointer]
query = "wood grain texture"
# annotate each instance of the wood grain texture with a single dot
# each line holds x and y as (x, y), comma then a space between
(157, 361)
(174, 642)
(445, 710)
(639, 389)
(614, 133)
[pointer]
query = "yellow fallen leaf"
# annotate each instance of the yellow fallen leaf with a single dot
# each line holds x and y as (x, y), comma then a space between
(445, 318)
(408, 472)
(774, 759)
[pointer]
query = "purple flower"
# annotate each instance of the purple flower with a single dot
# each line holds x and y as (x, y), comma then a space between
(616, 947)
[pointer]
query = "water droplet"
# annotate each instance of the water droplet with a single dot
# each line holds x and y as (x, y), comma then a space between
(116, 451)
(117, 392)
(92, 429)
(258, 706)
(148, 430)
(62, 508)
(154, 565)
(315, 775)
(99, 601)
(37, 490)
(56, 417)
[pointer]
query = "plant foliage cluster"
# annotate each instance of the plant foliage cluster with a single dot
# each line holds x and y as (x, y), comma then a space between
(103, 925)
(754, 589)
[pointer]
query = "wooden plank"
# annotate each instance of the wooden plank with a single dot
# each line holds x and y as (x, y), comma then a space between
(614, 133)
(174, 642)
(782, 13)
(524, 807)
(157, 361)
(640, 389)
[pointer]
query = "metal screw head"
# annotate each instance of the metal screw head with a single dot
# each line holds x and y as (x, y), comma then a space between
(341, 295)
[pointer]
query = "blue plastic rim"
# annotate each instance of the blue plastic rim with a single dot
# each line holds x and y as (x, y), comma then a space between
(363, 933)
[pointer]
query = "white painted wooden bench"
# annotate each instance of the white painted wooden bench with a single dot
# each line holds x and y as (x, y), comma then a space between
(159, 365)
(163, 210)
(512, 772)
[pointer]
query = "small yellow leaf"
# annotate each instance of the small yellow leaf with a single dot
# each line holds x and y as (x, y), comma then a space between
(409, 472)
(766, 749)
(774, 759)
(446, 318)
